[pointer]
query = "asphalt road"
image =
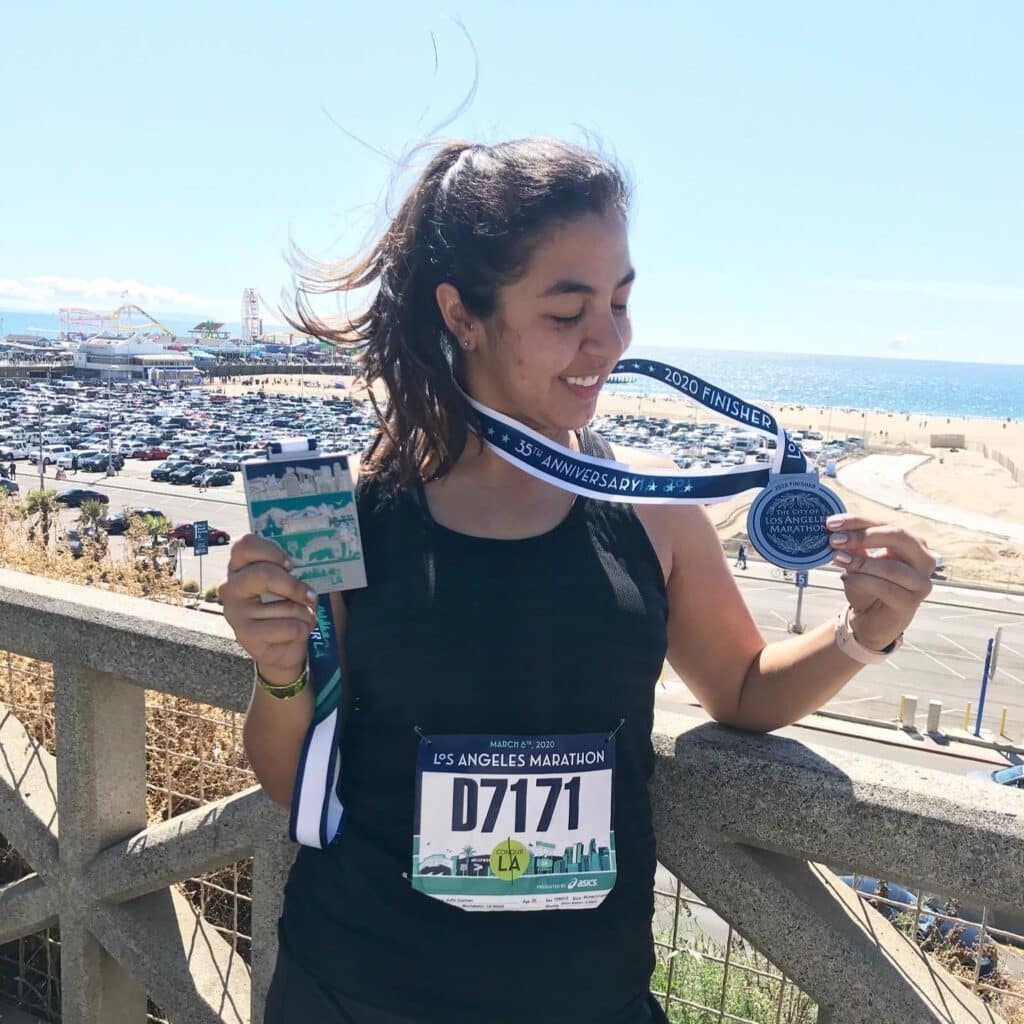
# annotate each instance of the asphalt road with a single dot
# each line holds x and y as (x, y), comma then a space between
(942, 657)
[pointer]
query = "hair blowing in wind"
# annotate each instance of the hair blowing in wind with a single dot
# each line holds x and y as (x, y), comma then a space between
(471, 219)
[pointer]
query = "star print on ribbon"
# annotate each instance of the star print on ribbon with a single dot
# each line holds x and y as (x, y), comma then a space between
(607, 480)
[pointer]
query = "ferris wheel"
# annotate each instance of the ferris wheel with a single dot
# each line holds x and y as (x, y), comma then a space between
(252, 323)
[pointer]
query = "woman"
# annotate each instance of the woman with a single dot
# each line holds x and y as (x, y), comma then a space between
(499, 605)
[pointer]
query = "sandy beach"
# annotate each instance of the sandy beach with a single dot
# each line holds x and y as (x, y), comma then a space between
(969, 478)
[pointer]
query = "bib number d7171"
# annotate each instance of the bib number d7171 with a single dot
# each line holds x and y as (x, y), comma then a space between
(515, 822)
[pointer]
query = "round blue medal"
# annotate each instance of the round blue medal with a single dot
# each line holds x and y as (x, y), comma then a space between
(786, 522)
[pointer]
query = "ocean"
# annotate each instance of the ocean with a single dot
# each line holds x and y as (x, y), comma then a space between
(892, 385)
(913, 386)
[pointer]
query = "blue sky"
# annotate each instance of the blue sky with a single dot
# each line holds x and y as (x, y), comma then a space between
(809, 177)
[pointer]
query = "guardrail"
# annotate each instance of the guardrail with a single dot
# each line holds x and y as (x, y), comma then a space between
(745, 820)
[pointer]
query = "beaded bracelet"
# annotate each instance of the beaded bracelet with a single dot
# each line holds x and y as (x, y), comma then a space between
(284, 692)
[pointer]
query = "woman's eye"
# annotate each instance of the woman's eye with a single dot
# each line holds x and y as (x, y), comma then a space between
(620, 309)
(567, 320)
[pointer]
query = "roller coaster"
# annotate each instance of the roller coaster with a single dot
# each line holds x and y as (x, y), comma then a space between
(77, 324)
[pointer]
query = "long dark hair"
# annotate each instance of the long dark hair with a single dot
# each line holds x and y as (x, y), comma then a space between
(472, 219)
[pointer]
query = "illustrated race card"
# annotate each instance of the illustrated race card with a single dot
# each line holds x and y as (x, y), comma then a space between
(305, 503)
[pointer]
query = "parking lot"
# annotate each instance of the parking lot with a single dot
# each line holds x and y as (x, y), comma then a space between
(942, 658)
(196, 426)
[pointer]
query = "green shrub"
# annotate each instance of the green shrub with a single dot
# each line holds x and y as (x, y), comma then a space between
(190, 587)
(211, 595)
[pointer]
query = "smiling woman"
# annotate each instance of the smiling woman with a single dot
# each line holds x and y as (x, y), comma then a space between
(499, 668)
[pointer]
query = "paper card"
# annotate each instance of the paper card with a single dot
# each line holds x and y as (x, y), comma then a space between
(305, 503)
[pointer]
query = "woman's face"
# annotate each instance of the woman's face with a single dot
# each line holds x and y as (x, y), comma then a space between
(557, 331)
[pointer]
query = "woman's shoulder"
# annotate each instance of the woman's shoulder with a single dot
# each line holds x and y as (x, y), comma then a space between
(671, 527)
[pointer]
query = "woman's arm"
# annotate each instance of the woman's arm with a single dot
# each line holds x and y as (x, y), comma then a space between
(273, 735)
(718, 650)
(275, 729)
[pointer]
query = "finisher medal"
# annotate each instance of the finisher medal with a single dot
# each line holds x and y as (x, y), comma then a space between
(786, 522)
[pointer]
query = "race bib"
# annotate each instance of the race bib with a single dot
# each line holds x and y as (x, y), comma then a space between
(515, 822)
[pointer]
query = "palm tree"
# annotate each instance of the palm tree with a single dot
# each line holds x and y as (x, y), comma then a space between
(90, 521)
(158, 527)
(44, 506)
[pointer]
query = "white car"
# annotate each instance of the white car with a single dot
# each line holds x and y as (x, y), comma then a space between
(80, 453)
(12, 451)
(49, 455)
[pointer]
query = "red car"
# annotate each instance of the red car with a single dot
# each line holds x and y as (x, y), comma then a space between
(154, 453)
(187, 533)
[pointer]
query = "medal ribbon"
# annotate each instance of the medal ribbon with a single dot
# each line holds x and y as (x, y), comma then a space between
(316, 811)
(607, 480)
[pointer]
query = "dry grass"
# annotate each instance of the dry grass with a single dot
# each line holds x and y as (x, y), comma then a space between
(137, 573)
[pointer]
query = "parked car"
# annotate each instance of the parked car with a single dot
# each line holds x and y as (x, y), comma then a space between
(12, 451)
(929, 926)
(74, 542)
(49, 455)
(147, 454)
(186, 474)
(1011, 776)
(65, 460)
(10, 486)
(213, 478)
(165, 469)
(117, 523)
(99, 463)
(187, 533)
(74, 496)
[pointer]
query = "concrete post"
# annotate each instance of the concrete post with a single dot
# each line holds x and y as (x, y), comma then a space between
(101, 794)
(909, 711)
(271, 862)
(935, 716)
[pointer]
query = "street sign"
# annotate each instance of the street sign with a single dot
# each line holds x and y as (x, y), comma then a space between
(202, 540)
(800, 577)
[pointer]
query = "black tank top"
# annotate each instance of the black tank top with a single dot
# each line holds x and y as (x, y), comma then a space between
(564, 632)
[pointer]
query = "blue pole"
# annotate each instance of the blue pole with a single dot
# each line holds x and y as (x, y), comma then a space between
(984, 687)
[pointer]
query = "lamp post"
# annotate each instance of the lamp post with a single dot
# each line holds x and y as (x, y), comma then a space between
(110, 440)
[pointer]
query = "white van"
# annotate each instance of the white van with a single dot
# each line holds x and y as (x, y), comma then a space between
(50, 454)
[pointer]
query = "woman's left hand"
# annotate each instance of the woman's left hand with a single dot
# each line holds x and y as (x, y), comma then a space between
(887, 574)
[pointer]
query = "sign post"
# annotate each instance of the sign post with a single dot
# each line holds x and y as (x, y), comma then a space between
(800, 580)
(984, 686)
(996, 641)
(201, 546)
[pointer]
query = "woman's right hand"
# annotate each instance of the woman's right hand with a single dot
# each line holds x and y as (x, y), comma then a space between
(274, 633)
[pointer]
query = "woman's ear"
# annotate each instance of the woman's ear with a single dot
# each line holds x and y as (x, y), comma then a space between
(457, 318)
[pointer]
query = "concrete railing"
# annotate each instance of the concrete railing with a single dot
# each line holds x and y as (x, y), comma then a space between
(744, 820)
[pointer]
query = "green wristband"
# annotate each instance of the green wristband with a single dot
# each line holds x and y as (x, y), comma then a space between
(281, 692)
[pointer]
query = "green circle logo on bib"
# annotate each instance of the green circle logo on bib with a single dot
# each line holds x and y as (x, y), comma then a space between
(509, 859)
